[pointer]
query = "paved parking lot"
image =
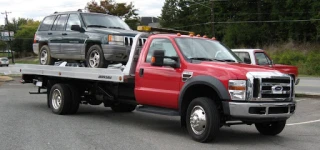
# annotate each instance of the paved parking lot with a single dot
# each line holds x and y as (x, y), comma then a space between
(26, 123)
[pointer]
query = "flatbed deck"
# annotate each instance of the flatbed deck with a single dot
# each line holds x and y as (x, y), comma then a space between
(111, 74)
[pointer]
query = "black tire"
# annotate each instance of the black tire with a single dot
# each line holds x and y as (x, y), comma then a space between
(49, 86)
(101, 62)
(75, 102)
(272, 128)
(49, 60)
(66, 99)
(120, 107)
(206, 108)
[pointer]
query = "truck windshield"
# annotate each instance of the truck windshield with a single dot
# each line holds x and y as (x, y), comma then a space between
(205, 49)
(106, 21)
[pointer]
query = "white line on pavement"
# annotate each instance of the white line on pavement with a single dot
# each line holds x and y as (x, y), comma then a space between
(307, 122)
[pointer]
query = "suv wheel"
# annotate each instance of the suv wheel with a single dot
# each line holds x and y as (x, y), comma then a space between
(45, 56)
(95, 58)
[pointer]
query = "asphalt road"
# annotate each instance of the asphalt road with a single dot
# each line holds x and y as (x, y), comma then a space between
(27, 123)
(309, 85)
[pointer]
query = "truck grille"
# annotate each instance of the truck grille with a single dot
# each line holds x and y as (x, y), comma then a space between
(128, 41)
(277, 88)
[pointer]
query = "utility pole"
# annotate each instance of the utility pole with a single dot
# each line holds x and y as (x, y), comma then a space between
(7, 22)
(212, 17)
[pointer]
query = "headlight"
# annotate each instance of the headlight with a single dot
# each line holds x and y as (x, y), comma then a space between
(115, 40)
(237, 89)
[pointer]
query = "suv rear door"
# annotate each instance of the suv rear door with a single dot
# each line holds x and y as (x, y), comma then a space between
(57, 29)
(73, 41)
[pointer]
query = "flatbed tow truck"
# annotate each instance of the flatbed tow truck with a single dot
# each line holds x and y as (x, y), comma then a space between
(178, 75)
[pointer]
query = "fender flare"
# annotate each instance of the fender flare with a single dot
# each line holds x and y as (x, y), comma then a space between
(210, 81)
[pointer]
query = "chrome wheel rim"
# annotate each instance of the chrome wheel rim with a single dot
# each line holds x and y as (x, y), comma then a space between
(198, 120)
(94, 59)
(56, 99)
(43, 57)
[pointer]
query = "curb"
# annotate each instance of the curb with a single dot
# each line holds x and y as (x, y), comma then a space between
(308, 95)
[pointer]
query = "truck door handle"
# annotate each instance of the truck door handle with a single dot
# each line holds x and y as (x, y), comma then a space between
(64, 34)
(49, 33)
(141, 72)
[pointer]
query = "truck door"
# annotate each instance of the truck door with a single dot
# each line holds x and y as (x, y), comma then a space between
(158, 86)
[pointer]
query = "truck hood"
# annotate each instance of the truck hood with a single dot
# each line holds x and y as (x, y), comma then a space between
(238, 70)
(113, 31)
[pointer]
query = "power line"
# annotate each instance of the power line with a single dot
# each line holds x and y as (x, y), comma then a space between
(235, 22)
(7, 22)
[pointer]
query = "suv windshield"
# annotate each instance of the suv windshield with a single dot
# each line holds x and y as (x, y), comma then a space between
(205, 49)
(106, 21)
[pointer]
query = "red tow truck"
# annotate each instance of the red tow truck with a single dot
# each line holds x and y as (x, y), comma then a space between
(176, 74)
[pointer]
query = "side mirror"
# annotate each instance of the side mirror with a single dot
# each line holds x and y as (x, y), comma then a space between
(247, 60)
(158, 59)
(77, 28)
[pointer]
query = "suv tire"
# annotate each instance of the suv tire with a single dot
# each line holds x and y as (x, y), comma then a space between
(45, 56)
(95, 57)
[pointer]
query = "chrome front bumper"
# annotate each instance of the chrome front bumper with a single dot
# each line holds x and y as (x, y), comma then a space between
(253, 110)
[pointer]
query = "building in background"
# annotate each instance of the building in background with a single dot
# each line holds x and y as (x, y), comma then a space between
(150, 21)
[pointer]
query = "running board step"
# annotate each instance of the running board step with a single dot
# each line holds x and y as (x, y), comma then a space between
(158, 110)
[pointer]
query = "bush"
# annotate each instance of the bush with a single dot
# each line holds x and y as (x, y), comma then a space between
(308, 62)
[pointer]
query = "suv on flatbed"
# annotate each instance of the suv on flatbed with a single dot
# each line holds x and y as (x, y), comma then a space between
(94, 38)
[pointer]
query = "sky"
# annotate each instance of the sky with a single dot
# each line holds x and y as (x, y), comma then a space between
(38, 9)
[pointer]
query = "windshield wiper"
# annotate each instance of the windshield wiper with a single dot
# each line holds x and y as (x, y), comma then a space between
(201, 58)
(117, 28)
(99, 26)
(225, 60)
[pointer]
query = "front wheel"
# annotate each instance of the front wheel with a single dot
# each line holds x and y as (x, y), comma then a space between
(203, 119)
(95, 57)
(271, 128)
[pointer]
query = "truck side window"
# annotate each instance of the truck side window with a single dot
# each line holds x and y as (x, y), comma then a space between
(244, 56)
(262, 59)
(161, 44)
(73, 20)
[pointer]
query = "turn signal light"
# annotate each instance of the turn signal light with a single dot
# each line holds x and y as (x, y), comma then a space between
(153, 60)
(237, 88)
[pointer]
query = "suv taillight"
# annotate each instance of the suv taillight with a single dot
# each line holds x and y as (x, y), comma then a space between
(34, 39)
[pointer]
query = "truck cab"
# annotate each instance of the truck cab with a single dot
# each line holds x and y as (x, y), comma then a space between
(261, 58)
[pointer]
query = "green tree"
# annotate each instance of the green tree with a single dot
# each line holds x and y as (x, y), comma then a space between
(123, 10)
(23, 39)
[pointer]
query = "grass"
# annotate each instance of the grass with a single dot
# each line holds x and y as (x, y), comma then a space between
(27, 60)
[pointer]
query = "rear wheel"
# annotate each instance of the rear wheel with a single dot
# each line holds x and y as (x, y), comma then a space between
(45, 56)
(75, 100)
(203, 120)
(271, 128)
(60, 99)
(123, 107)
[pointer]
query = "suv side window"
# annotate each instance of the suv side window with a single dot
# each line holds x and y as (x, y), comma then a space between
(59, 24)
(262, 59)
(46, 23)
(161, 44)
(73, 20)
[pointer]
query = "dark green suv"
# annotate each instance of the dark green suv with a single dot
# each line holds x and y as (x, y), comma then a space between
(94, 38)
